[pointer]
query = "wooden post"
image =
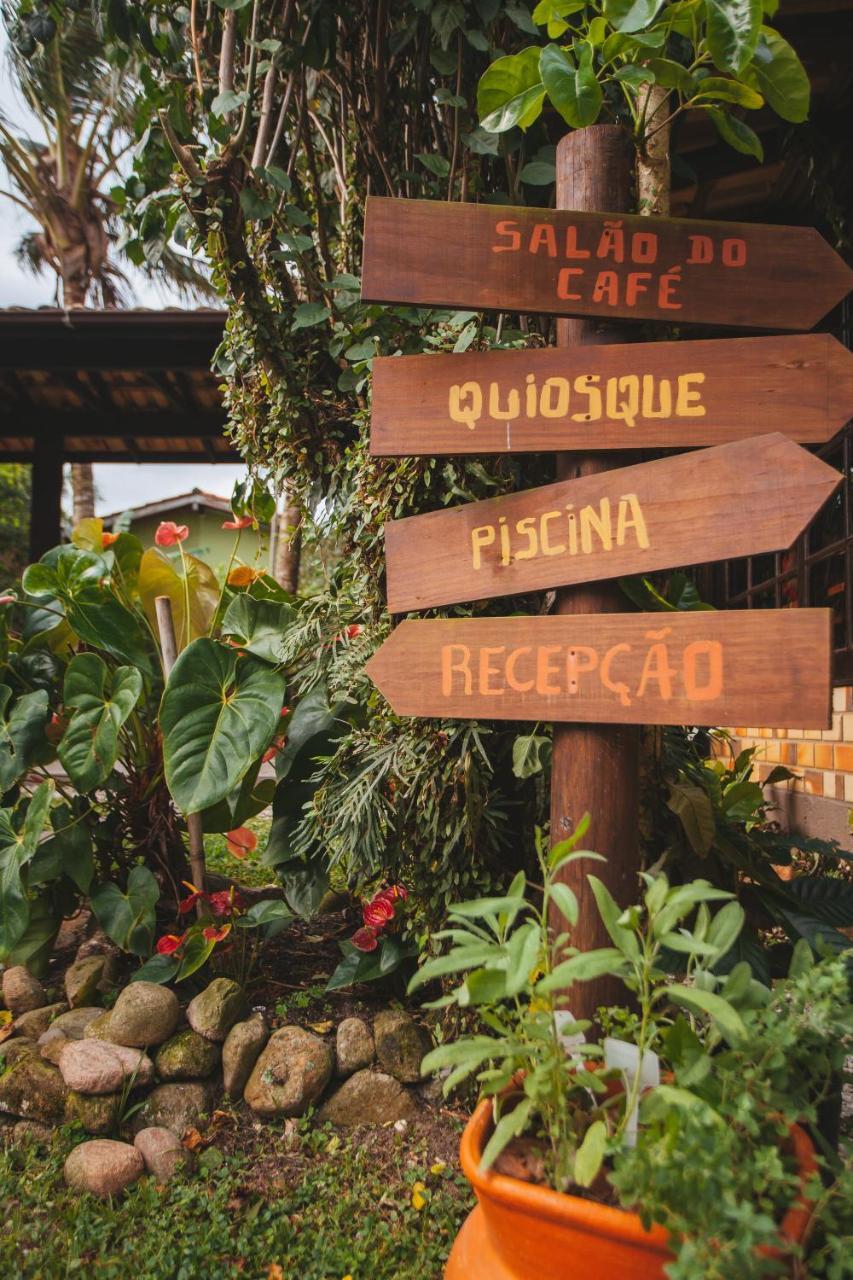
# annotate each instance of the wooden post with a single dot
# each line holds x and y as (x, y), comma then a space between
(169, 646)
(45, 495)
(595, 767)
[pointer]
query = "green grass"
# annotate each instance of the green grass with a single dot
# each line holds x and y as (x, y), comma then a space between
(340, 1208)
(246, 870)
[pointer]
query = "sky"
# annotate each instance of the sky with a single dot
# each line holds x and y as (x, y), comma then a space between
(117, 485)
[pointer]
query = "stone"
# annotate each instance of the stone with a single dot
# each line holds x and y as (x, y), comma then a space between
(82, 979)
(240, 1052)
(163, 1153)
(187, 1056)
(400, 1044)
(73, 1024)
(103, 1167)
(99, 1028)
(354, 1047)
(35, 1022)
(91, 1066)
(290, 1074)
(21, 991)
(138, 1067)
(96, 1113)
(33, 1090)
(30, 1131)
(213, 1012)
(13, 1050)
(368, 1097)
(144, 1014)
(50, 1046)
(98, 945)
(176, 1106)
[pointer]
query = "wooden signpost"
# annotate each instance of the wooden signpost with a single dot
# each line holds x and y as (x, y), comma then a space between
(594, 672)
(705, 668)
(739, 499)
(653, 395)
(679, 270)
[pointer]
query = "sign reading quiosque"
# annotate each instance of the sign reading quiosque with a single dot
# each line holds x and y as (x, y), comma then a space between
(649, 395)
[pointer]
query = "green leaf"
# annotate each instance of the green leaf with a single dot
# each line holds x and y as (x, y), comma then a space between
(196, 952)
(219, 713)
(634, 75)
(103, 623)
(128, 918)
(589, 1156)
(308, 314)
(509, 1126)
(672, 75)
(22, 738)
(258, 625)
(572, 88)
(610, 912)
(732, 32)
(527, 751)
(551, 13)
(17, 848)
(631, 15)
(157, 969)
(539, 173)
(566, 901)
(439, 165)
(584, 967)
(723, 90)
(779, 76)
(725, 928)
(511, 92)
(828, 899)
(100, 704)
(693, 808)
(159, 575)
(228, 100)
(727, 1019)
(255, 206)
(310, 722)
(305, 884)
(743, 139)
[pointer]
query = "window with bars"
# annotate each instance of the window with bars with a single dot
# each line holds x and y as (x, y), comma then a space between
(816, 571)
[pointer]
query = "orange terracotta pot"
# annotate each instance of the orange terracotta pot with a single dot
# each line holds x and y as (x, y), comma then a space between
(519, 1231)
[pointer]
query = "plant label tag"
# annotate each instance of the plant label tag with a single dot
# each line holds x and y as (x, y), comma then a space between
(625, 1057)
(569, 1041)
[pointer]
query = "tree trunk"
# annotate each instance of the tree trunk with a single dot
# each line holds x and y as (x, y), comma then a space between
(288, 545)
(83, 491)
(653, 160)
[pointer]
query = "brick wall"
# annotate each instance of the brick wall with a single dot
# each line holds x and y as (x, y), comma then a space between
(823, 759)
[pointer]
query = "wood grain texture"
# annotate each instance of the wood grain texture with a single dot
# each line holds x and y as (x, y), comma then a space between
(707, 392)
(713, 504)
(680, 270)
(768, 667)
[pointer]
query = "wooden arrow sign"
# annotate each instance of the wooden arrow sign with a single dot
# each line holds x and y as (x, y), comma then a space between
(639, 395)
(768, 667)
(715, 504)
(681, 270)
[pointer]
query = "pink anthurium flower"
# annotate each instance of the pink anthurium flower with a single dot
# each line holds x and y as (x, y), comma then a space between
(168, 533)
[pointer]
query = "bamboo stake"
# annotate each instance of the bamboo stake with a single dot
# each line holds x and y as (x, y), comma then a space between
(169, 645)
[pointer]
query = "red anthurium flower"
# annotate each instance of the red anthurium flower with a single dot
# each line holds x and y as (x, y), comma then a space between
(365, 939)
(8, 599)
(225, 902)
(354, 629)
(216, 935)
(238, 522)
(189, 902)
(377, 913)
(272, 752)
(241, 841)
(168, 533)
(167, 944)
(107, 539)
(285, 711)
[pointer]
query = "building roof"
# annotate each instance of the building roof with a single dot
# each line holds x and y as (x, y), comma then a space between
(195, 500)
(112, 386)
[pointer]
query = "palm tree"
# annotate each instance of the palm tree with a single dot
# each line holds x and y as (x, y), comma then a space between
(83, 103)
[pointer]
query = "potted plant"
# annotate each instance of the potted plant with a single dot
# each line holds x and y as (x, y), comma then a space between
(581, 1168)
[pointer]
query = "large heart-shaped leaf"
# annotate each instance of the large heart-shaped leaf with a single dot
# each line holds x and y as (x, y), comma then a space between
(631, 15)
(733, 28)
(17, 847)
(160, 576)
(572, 87)
(102, 622)
(258, 625)
(511, 92)
(779, 76)
(219, 712)
(22, 737)
(100, 705)
(128, 918)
